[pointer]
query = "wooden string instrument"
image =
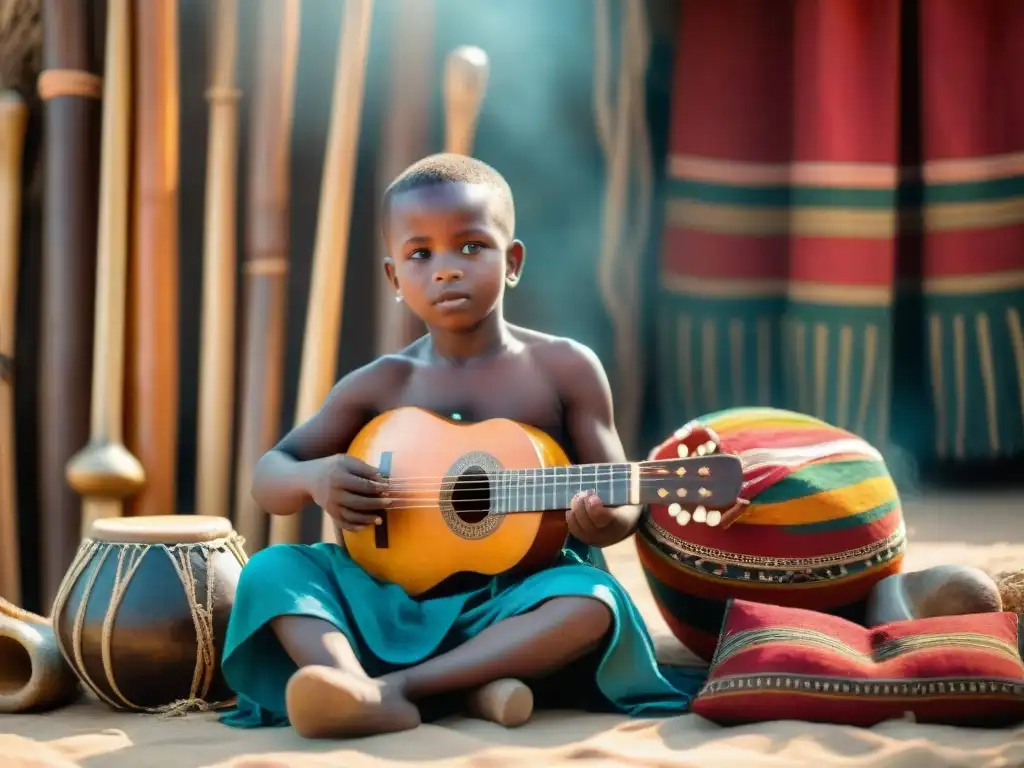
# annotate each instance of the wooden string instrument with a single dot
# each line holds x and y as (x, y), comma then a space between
(103, 471)
(13, 122)
(217, 344)
(265, 266)
(152, 391)
(404, 139)
(490, 498)
(71, 89)
(330, 254)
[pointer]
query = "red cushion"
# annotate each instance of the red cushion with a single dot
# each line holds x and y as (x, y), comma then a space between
(777, 663)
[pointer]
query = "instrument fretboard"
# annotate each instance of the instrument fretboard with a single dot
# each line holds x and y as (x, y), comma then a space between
(549, 488)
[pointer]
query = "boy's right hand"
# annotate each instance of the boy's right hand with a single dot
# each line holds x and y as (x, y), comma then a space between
(349, 490)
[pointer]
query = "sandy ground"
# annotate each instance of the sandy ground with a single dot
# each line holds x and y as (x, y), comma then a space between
(987, 532)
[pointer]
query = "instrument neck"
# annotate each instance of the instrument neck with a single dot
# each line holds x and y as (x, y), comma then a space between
(549, 488)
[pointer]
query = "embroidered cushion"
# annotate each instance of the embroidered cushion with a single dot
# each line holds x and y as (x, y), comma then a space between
(819, 523)
(776, 663)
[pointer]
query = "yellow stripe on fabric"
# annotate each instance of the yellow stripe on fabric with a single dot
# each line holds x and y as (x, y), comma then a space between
(824, 506)
(985, 214)
(836, 222)
(806, 221)
(796, 290)
(764, 418)
(810, 174)
(956, 170)
(955, 285)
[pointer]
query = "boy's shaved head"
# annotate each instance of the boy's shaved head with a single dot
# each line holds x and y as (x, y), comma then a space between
(457, 169)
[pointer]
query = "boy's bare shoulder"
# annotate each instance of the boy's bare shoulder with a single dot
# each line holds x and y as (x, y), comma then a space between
(353, 401)
(376, 381)
(569, 363)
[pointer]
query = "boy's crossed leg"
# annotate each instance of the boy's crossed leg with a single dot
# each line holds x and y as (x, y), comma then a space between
(332, 696)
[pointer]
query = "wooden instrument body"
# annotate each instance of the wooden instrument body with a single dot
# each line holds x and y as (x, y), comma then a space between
(422, 547)
(72, 130)
(136, 618)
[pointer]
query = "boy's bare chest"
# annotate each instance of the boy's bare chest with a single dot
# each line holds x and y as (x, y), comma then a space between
(473, 395)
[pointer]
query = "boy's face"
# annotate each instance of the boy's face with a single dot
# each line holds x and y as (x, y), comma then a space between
(448, 259)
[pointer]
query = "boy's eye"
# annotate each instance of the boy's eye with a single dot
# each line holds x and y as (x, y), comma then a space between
(420, 253)
(471, 249)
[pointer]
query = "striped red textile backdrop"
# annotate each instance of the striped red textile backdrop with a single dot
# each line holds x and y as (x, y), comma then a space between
(812, 194)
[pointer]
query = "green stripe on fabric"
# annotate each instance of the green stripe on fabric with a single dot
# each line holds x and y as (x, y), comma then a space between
(816, 478)
(844, 523)
(785, 196)
(782, 196)
(974, 191)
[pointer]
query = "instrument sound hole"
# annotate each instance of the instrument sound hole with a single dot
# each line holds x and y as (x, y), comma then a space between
(471, 496)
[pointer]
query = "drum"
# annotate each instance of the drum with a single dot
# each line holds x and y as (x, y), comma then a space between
(142, 612)
(819, 523)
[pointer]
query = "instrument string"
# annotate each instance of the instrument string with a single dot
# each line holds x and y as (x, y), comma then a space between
(473, 480)
(519, 475)
(405, 507)
(554, 475)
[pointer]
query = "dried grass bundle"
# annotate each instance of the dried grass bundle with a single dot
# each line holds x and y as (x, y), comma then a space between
(21, 42)
(1011, 589)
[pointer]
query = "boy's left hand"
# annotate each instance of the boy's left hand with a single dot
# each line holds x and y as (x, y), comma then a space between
(588, 518)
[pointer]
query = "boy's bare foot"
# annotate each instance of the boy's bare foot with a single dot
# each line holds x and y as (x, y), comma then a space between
(327, 703)
(507, 702)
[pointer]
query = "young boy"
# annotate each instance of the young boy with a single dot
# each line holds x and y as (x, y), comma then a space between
(315, 640)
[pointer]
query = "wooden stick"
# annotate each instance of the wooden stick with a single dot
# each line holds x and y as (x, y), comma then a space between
(330, 256)
(104, 472)
(13, 123)
(466, 73)
(467, 70)
(265, 269)
(217, 351)
(71, 91)
(404, 140)
(152, 407)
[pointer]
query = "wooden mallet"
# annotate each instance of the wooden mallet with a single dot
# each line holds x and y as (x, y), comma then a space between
(466, 73)
(104, 472)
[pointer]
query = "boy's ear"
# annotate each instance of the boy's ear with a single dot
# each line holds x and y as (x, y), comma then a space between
(389, 270)
(514, 257)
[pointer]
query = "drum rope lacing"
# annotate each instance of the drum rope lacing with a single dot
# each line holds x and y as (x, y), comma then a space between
(129, 557)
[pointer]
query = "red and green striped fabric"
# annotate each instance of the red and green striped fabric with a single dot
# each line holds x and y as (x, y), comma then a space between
(972, 75)
(824, 524)
(778, 258)
(844, 222)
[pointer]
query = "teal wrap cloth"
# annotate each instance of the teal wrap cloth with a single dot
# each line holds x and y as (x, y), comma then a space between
(389, 630)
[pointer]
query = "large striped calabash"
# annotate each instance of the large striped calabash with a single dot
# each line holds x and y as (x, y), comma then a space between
(818, 525)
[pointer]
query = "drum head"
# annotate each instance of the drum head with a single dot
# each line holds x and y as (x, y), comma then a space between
(166, 529)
